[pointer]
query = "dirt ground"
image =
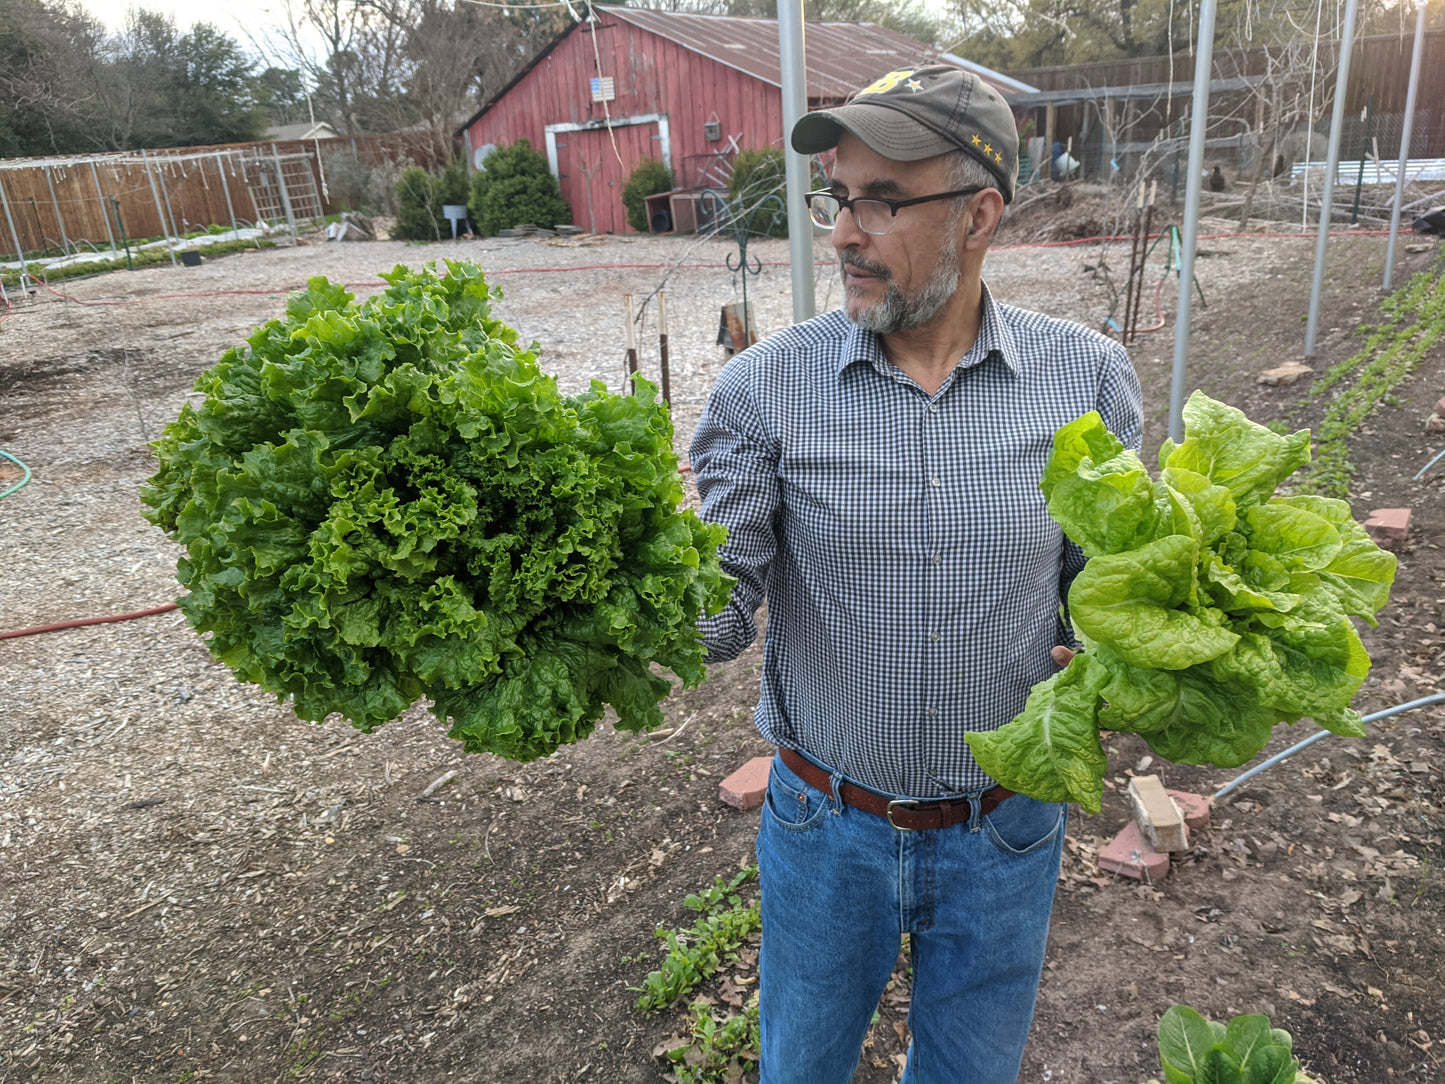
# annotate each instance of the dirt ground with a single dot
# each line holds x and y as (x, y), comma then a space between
(195, 885)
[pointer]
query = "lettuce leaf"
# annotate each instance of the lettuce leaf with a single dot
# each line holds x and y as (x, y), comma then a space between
(1210, 609)
(390, 501)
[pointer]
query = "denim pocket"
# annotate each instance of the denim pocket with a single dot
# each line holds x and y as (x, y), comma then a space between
(1022, 824)
(793, 804)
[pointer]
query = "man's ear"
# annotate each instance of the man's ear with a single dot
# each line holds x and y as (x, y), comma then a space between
(983, 217)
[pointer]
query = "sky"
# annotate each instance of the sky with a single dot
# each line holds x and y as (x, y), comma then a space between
(220, 13)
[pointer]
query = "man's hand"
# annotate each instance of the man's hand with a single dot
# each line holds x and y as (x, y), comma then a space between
(1062, 655)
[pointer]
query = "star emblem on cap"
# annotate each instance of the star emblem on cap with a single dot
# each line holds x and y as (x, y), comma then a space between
(988, 148)
(914, 85)
(976, 140)
(998, 158)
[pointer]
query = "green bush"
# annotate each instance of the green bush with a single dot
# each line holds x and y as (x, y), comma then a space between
(419, 199)
(650, 177)
(514, 187)
(756, 175)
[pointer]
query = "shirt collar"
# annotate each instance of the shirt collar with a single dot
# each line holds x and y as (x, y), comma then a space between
(995, 338)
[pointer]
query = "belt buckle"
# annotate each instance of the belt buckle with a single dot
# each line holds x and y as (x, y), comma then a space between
(898, 802)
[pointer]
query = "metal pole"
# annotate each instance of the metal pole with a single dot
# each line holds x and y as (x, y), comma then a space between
(145, 159)
(1337, 124)
(161, 177)
(14, 235)
(104, 210)
(795, 104)
(285, 196)
(1198, 123)
(1424, 701)
(1368, 121)
(226, 188)
(59, 222)
(1405, 143)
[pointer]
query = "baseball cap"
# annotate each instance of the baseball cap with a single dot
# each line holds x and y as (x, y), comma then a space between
(918, 113)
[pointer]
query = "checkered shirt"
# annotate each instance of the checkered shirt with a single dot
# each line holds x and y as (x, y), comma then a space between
(912, 572)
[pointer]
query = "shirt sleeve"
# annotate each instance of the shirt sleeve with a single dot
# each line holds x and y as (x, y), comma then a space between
(735, 463)
(1121, 406)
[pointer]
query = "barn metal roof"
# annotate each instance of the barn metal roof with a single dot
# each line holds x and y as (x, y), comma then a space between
(841, 57)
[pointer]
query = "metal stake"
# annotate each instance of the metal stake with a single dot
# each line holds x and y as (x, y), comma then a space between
(226, 188)
(1337, 123)
(285, 195)
(1405, 143)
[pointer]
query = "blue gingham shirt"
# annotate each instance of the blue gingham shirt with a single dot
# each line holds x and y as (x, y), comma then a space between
(912, 572)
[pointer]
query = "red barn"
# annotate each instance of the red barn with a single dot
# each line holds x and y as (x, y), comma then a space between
(691, 90)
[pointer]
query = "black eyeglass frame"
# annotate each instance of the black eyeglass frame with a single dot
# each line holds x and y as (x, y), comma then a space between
(893, 205)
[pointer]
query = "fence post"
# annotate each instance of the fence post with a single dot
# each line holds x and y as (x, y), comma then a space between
(14, 235)
(104, 211)
(161, 177)
(59, 222)
(170, 247)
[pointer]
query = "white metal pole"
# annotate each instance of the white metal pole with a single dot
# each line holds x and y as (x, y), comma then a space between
(1409, 123)
(14, 236)
(1198, 125)
(1327, 192)
(160, 213)
(795, 104)
(104, 210)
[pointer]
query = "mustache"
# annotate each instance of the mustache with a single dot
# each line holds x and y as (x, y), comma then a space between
(852, 259)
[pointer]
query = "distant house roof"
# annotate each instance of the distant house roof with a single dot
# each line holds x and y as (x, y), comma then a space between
(841, 56)
(319, 130)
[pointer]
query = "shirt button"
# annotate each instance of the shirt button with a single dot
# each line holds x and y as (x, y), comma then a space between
(937, 557)
(934, 635)
(933, 713)
(933, 408)
(935, 481)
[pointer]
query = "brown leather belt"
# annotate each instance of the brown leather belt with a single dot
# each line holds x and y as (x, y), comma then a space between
(905, 814)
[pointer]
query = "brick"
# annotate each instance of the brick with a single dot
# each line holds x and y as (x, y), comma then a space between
(1440, 406)
(1287, 373)
(746, 786)
(1129, 855)
(1195, 808)
(1389, 527)
(1156, 814)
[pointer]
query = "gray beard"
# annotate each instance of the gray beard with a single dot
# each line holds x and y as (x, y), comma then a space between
(897, 311)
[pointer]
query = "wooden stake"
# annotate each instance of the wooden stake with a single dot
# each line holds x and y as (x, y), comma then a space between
(662, 345)
(631, 341)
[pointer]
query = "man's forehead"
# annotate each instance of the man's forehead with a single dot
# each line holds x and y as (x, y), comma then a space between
(860, 167)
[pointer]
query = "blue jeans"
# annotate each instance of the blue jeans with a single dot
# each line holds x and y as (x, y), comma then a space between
(840, 887)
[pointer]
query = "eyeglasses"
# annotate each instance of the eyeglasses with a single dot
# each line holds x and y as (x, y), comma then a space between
(872, 215)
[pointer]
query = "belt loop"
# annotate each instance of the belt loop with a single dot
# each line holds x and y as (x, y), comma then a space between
(975, 812)
(835, 798)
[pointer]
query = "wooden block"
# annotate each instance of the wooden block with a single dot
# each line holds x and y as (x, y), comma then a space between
(1287, 373)
(1156, 814)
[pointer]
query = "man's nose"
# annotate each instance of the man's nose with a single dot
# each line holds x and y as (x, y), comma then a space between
(846, 233)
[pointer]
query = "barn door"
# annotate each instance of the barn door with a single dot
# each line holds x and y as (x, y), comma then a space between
(593, 178)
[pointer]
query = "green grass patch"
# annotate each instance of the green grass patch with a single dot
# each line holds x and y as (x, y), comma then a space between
(1413, 322)
(98, 266)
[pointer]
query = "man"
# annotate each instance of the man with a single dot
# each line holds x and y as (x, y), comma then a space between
(877, 469)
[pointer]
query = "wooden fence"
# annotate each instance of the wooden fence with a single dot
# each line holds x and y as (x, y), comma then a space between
(79, 200)
(1379, 77)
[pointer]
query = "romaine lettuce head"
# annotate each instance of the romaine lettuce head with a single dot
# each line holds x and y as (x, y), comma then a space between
(1210, 609)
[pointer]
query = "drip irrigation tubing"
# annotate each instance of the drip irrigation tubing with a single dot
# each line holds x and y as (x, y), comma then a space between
(1424, 701)
(79, 621)
(24, 473)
